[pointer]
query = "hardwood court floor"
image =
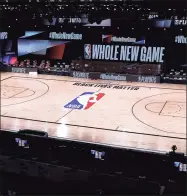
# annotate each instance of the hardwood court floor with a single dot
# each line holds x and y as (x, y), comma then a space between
(135, 115)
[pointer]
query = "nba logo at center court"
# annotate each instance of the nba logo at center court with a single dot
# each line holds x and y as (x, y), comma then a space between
(87, 51)
(84, 101)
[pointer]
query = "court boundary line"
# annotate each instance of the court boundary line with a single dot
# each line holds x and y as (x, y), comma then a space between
(109, 82)
(102, 144)
(89, 126)
(97, 128)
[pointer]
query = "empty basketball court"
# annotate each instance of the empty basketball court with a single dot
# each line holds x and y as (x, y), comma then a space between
(134, 115)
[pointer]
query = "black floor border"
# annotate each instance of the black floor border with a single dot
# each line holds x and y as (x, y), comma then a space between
(98, 128)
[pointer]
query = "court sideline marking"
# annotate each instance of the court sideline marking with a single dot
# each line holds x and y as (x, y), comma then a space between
(97, 128)
(94, 83)
(29, 78)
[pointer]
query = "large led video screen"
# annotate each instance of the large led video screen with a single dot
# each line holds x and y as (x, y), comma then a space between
(50, 45)
(8, 51)
(48, 49)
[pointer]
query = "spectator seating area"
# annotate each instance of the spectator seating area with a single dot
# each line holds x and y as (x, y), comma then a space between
(64, 68)
(119, 67)
(176, 76)
(44, 66)
(92, 66)
(69, 167)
